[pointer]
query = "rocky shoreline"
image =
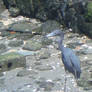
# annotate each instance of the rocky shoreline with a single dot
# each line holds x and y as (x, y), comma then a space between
(29, 62)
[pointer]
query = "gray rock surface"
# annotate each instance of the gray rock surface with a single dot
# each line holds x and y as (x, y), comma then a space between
(15, 43)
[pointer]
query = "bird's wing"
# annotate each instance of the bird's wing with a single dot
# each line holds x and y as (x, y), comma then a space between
(66, 60)
(70, 60)
(75, 61)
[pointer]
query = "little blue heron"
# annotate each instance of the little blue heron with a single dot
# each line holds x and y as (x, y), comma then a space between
(70, 60)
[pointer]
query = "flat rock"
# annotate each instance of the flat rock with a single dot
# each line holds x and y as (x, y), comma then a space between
(11, 60)
(32, 45)
(24, 27)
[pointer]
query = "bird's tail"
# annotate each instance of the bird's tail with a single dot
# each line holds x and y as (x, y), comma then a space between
(77, 74)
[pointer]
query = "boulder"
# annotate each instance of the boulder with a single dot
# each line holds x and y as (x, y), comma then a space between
(11, 60)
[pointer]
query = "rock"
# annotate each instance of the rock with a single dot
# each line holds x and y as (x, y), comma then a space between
(43, 67)
(15, 43)
(45, 41)
(84, 80)
(14, 12)
(32, 45)
(73, 45)
(20, 36)
(4, 33)
(11, 60)
(3, 48)
(49, 26)
(64, 11)
(25, 72)
(45, 85)
(1, 24)
(2, 6)
(24, 27)
(43, 54)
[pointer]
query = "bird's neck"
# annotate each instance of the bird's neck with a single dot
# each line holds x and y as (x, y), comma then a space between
(60, 43)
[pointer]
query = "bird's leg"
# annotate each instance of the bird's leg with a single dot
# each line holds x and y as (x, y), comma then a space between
(65, 82)
(76, 80)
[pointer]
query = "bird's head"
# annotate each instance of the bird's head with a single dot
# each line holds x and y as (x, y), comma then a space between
(56, 33)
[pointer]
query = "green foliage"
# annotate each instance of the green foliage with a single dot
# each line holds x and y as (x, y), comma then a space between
(88, 15)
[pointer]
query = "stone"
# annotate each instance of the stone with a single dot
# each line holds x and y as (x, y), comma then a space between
(32, 45)
(46, 85)
(4, 33)
(14, 12)
(2, 6)
(49, 26)
(45, 41)
(15, 43)
(43, 67)
(11, 60)
(3, 48)
(25, 72)
(23, 27)
(85, 81)
(43, 54)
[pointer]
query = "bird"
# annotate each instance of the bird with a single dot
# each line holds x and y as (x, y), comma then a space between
(69, 58)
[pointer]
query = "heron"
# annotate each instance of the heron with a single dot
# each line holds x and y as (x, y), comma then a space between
(70, 60)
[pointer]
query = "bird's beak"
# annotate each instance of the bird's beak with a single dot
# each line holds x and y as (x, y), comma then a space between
(50, 34)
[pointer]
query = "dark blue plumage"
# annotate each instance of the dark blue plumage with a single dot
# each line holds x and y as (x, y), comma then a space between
(70, 60)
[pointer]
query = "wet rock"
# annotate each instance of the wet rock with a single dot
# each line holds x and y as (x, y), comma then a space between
(14, 12)
(15, 43)
(11, 60)
(49, 26)
(32, 45)
(25, 72)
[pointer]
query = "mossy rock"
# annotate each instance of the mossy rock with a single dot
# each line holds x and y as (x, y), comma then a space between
(11, 60)
(14, 12)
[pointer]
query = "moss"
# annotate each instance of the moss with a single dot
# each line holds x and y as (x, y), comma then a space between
(8, 56)
(88, 15)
